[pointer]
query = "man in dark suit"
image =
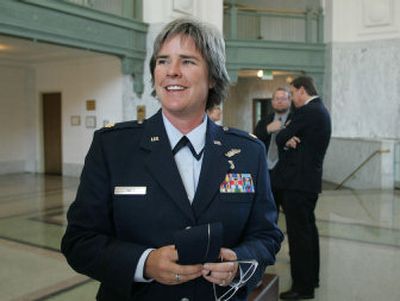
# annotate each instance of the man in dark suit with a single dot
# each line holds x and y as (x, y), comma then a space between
(169, 208)
(267, 129)
(302, 145)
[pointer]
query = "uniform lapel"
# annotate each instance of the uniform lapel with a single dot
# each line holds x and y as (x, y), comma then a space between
(161, 164)
(213, 170)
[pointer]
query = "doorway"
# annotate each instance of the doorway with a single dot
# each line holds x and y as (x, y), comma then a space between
(52, 133)
(261, 108)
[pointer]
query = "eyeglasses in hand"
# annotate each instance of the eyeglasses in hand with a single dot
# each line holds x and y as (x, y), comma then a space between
(249, 267)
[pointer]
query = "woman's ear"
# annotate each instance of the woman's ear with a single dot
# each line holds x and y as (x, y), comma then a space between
(211, 83)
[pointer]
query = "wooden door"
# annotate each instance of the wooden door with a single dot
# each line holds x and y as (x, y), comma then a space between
(52, 133)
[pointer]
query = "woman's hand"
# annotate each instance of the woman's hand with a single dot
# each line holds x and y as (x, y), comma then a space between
(222, 273)
(162, 267)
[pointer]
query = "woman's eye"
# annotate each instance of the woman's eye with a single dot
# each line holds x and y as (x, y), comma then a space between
(188, 62)
(161, 61)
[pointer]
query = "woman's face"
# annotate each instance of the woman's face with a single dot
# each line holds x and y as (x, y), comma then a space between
(181, 78)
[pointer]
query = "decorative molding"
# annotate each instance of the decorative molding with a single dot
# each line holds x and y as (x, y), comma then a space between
(290, 56)
(87, 13)
(134, 68)
(378, 17)
(377, 13)
(183, 6)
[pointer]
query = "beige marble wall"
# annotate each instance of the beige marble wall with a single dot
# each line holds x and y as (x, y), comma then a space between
(371, 160)
(365, 89)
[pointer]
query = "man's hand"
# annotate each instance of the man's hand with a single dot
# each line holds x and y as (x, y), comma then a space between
(222, 273)
(274, 126)
(162, 267)
(293, 142)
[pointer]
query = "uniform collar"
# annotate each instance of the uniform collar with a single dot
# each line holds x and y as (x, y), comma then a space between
(197, 136)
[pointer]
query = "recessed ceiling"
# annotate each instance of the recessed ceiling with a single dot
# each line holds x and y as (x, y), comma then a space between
(24, 51)
(275, 73)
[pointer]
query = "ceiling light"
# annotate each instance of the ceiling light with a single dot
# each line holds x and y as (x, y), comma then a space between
(265, 74)
(4, 47)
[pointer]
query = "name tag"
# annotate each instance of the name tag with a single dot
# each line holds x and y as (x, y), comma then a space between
(237, 183)
(132, 190)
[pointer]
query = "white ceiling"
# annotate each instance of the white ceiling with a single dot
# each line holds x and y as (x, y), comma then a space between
(23, 51)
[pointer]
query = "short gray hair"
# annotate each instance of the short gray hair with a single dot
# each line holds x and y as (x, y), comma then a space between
(281, 89)
(210, 43)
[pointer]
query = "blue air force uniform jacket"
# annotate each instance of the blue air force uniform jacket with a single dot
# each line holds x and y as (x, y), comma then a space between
(108, 232)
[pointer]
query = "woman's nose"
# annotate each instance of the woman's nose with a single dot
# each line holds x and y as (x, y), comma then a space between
(174, 69)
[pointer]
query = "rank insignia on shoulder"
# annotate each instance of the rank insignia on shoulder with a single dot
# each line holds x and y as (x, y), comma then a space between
(232, 152)
(109, 125)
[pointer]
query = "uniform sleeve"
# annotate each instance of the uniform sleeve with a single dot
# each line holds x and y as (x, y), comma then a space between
(89, 243)
(262, 237)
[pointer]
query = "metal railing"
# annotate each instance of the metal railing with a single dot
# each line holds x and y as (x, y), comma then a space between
(397, 165)
(379, 151)
(288, 26)
(122, 8)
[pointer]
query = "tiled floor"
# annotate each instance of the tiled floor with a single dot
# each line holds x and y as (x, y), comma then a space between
(359, 230)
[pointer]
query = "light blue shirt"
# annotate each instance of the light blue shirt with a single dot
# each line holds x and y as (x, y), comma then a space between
(189, 169)
(272, 155)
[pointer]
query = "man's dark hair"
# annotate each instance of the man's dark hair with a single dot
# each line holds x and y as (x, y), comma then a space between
(307, 83)
(210, 42)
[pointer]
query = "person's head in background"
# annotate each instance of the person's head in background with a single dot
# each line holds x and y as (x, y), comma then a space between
(302, 89)
(281, 100)
(215, 113)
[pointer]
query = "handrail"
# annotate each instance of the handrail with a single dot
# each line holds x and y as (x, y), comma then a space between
(267, 10)
(245, 23)
(379, 151)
